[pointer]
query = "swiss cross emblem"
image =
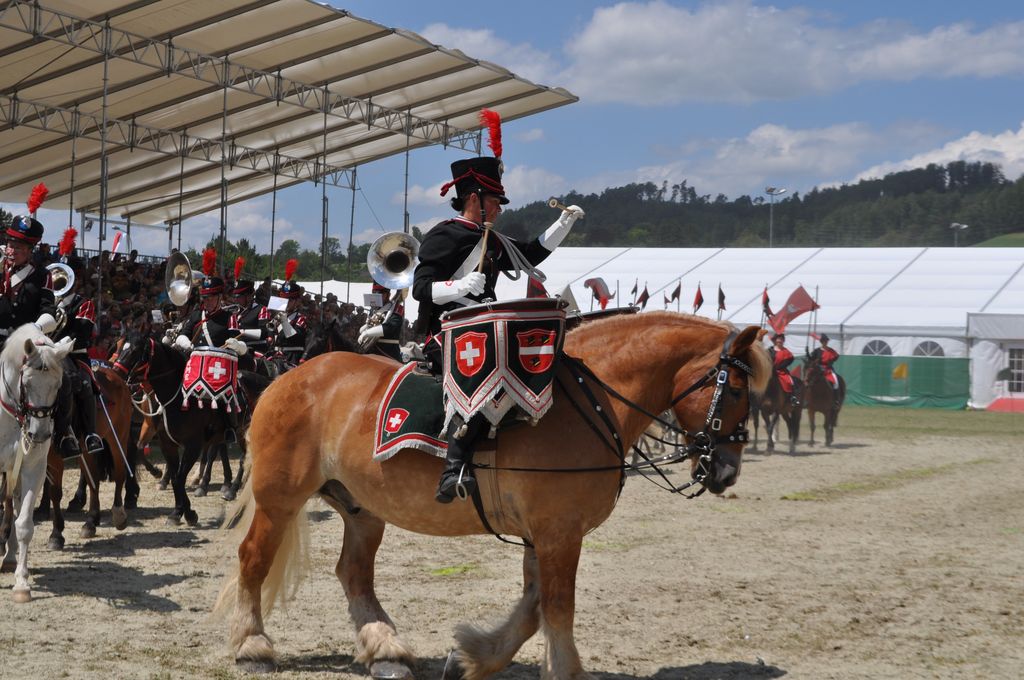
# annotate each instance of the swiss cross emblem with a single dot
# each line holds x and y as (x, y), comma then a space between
(470, 353)
(396, 417)
(216, 370)
(536, 350)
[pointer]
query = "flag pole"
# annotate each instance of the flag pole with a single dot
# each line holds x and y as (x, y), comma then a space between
(679, 298)
(719, 301)
(618, 298)
(815, 318)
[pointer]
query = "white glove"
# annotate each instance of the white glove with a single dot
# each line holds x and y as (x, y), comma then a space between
(46, 323)
(236, 346)
(286, 326)
(182, 342)
(559, 229)
(446, 291)
(370, 333)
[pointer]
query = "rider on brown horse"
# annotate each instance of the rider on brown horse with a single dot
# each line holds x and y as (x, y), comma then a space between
(825, 357)
(781, 360)
(459, 267)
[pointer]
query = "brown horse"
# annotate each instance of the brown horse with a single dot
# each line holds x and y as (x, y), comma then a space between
(118, 448)
(776, 403)
(312, 433)
(821, 397)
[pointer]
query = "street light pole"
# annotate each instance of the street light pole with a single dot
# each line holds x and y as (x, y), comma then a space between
(772, 193)
(957, 228)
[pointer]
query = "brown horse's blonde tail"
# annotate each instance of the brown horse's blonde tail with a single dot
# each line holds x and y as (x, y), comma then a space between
(291, 560)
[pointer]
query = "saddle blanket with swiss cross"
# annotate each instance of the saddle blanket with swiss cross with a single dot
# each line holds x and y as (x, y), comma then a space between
(211, 378)
(410, 416)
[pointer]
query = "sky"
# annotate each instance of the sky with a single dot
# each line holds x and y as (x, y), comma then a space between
(732, 96)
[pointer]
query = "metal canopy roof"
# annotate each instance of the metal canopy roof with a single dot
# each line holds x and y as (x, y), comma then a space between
(194, 86)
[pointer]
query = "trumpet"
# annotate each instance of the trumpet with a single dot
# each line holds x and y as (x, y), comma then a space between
(555, 203)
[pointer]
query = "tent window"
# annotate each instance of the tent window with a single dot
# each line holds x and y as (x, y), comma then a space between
(877, 348)
(1016, 381)
(929, 348)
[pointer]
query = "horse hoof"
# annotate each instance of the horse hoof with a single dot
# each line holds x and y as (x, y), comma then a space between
(228, 494)
(452, 670)
(259, 666)
(22, 596)
(173, 520)
(200, 492)
(88, 530)
(390, 670)
(163, 486)
(119, 518)
(191, 517)
(55, 543)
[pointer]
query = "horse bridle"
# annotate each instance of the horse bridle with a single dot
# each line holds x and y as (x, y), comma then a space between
(25, 409)
(702, 444)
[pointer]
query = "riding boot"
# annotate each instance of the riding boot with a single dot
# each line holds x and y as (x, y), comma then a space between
(458, 470)
(67, 444)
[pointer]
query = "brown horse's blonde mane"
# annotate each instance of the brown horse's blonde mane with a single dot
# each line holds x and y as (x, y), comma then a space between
(616, 332)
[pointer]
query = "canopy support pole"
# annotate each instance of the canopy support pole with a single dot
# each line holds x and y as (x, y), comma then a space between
(351, 230)
(71, 191)
(273, 216)
(181, 183)
(104, 174)
(221, 252)
(405, 205)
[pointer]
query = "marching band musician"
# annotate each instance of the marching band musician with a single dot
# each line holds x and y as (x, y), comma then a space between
(452, 274)
(78, 382)
(253, 318)
(210, 324)
(290, 340)
(385, 335)
(25, 290)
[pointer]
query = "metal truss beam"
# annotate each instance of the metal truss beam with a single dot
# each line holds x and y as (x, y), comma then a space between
(132, 135)
(167, 59)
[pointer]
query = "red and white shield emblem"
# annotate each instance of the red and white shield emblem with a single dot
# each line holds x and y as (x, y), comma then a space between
(536, 349)
(396, 418)
(217, 372)
(470, 352)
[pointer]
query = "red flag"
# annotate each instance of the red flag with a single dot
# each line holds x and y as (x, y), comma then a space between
(799, 302)
(698, 300)
(644, 297)
(600, 291)
(721, 299)
(117, 242)
(535, 289)
(677, 291)
(764, 303)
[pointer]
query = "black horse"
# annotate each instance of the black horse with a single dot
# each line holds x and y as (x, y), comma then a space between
(329, 336)
(143, 358)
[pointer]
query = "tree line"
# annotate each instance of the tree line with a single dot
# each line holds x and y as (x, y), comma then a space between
(908, 208)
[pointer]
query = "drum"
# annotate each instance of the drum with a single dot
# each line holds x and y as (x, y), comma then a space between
(502, 354)
(211, 378)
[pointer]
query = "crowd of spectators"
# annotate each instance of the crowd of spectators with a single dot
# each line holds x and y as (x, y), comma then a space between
(133, 287)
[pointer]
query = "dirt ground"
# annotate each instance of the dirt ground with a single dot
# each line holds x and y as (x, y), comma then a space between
(897, 554)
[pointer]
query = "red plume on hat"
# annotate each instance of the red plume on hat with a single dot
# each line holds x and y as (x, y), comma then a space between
(36, 198)
(209, 261)
(492, 121)
(239, 266)
(67, 242)
(289, 268)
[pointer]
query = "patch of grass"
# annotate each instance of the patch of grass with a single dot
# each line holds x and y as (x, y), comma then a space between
(1004, 241)
(454, 570)
(878, 482)
(897, 423)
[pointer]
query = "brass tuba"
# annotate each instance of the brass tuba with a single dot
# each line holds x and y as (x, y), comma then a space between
(63, 280)
(392, 259)
(178, 279)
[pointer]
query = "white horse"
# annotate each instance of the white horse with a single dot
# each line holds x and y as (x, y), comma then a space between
(31, 369)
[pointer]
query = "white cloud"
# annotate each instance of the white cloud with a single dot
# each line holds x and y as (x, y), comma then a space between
(522, 59)
(740, 52)
(421, 195)
(524, 185)
(1005, 149)
(531, 135)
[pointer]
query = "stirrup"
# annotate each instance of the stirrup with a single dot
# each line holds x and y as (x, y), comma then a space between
(69, 446)
(93, 444)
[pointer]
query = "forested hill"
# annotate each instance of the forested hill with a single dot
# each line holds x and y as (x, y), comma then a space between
(911, 208)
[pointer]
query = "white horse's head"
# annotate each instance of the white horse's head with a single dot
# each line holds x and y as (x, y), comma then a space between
(32, 373)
